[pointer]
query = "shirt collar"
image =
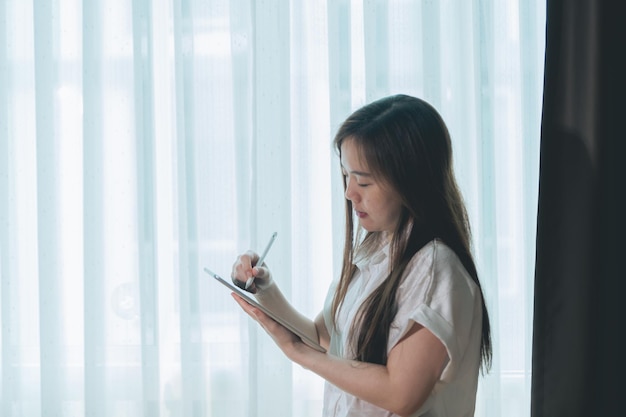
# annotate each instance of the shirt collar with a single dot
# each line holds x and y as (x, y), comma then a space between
(376, 255)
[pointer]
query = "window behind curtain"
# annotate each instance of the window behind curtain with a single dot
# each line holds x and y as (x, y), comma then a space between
(141, 141)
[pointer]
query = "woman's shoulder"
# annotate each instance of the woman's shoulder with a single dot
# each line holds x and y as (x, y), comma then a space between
(436, 261)
(436, 251)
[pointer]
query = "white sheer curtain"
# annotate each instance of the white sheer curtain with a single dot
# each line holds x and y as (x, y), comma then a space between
(143, 140)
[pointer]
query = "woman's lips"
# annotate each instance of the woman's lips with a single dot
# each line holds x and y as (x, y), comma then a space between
(360, 214)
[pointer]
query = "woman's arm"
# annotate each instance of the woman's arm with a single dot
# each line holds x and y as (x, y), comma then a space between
(402, 386)
(272, 298)
(322, 331)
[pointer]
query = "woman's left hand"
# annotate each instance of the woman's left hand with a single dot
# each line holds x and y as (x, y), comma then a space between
(286, 340)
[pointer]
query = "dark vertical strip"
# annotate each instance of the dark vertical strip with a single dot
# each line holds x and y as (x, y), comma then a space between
(193, 379)
(52, 381)
(144, 135)
(93, 212)
(565, 218)
(487, 233)
(606, 395)
(579, 282)
(431, 46)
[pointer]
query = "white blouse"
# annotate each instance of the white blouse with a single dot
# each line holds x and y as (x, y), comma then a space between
(436, 292)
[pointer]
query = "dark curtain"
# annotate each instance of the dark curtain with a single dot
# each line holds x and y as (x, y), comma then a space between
(580, 297)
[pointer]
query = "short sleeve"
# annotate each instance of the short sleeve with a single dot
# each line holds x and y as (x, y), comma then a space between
(439, 294)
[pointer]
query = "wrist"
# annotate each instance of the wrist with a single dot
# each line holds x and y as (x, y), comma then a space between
(302, 354)
(266, 292)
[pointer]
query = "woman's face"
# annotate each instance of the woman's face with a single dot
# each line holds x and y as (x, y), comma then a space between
(377, 207)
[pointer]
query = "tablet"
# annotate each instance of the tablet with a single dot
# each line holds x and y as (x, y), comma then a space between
(280, 319)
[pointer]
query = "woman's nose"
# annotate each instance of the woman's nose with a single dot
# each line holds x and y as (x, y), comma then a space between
(350, 193)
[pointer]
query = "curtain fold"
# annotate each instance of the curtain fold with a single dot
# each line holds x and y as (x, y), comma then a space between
(578, 276)
(143, 141)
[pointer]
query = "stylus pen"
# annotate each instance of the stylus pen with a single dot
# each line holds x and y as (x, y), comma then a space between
(262, 258)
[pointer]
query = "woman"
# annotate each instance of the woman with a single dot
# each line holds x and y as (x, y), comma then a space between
(405, 325)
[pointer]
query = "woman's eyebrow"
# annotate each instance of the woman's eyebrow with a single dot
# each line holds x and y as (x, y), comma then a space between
(360, 173)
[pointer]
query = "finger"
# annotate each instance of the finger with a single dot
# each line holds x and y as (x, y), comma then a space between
(259, 271)
(242, 268)
(266, 322)
(251, 256)
(238, 283)
(251, 310)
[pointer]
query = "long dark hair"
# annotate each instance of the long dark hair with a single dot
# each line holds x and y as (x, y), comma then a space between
(406, 146)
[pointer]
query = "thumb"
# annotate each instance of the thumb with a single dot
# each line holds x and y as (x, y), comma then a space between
(261, 271)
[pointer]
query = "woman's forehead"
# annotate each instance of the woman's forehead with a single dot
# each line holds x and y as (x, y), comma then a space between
(352, 157)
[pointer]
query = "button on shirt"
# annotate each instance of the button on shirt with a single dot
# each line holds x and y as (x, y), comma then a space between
(437, 292)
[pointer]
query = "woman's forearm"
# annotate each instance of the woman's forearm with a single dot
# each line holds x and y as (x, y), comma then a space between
(370, 382)
(273, 299)
(402, 385)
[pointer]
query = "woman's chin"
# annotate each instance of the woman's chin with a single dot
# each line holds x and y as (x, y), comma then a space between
(368, 227)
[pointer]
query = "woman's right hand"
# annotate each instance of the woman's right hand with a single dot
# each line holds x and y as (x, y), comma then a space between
(245, 267)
